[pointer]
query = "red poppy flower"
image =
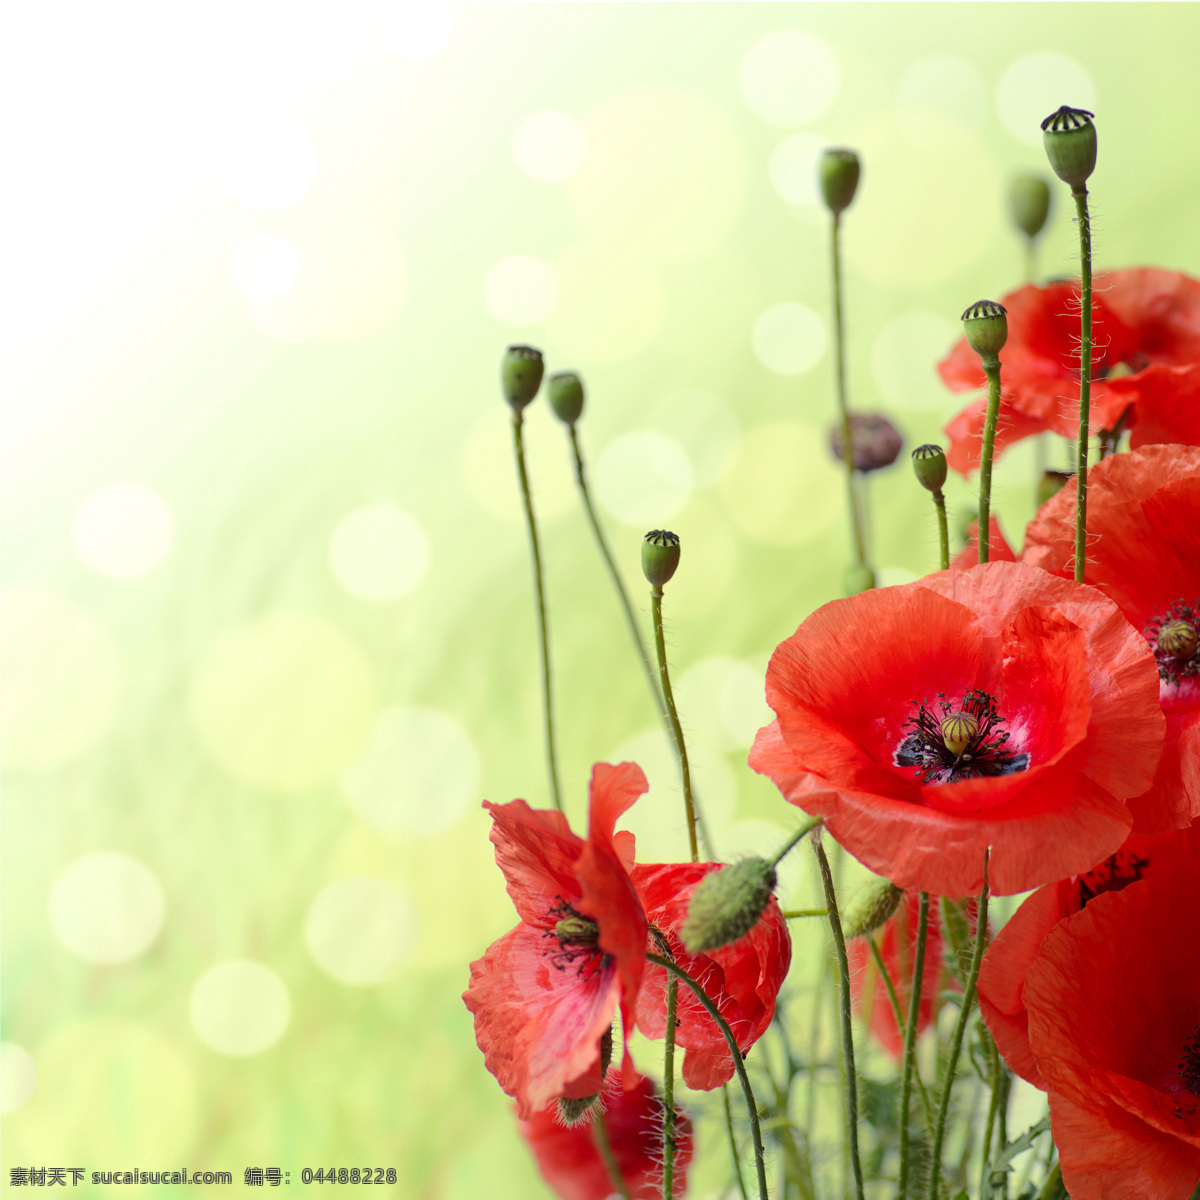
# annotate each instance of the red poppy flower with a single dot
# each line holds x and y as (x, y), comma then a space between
(545, 994)
(998, 548)
(742, 978)
(997, 706)
(1114, 1022)
(633, 1118)
(1144, 319)
(1009, 957)
(1143, 512)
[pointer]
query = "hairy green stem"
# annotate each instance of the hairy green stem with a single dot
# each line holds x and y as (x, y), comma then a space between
(960, 1026)
(668, 1188)
(991, 368)
(910, 1041)
(1079, 191)
(835, 923)
(733, 1146)
(995, 1071)
(543, 624)
(604, 1146)
(939, 502)
(800, 835)
(738, 1065)
(791, 914)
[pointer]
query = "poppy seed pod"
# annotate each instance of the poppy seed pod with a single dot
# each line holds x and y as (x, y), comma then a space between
(929, 465)
(727, 904)
(660, 556)
(876, 441)
(564, 390)
(1029, 203)
(986, 325)
(1070, 140)
(521, 375)
(838, 171)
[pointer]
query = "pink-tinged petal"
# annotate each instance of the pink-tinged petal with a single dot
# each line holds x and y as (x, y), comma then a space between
(536, 850)
(613, 792)
(539, 1022)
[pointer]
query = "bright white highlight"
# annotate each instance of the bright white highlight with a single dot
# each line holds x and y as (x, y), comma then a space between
(790, 77)
(268, 163)
(360, 930)
(1035, 86)
(520, 290)
(379, 553)
(643, 478)
(106, 908)
(414, 28)
(793, 168)
(122, 530)
(549, 146)
(264, 268)
(790, 339)
(239, 1008)
(18, 1077)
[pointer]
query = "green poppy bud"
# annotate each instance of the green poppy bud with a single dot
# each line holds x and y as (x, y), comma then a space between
(660, 556)
(521, 375)
(1178, 639)
(1051, 483)
(986, 325)
(1029, 203)
(572, 1110)
(727, 904)
(929, 463)
(858, 578)
(872, 909)
(564, 390)
(1070, 140)
(838, 171)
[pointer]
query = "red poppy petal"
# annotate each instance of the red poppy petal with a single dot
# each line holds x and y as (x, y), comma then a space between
(536, 850)
(1166, 404)
(998, 548)
(965, 432)
(613, 792)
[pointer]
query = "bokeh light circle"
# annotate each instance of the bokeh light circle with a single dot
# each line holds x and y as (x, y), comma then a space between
(792, 168)
(904, 358)
(239, 1008)
(790, 338)
(724, 701)
(264, 268)
(416, 776)
(790, 77)
(643, 478)
(107, 907)
(414, 28)
(1037, 85)
(703, 424)
(122, 530)
(18, 1077)
(379, 552)
(940, 86)
(520, 290)
(361, 930)
(268, 162)
(549, 146)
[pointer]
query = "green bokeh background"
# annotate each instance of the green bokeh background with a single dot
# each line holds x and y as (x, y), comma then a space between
(247, 725)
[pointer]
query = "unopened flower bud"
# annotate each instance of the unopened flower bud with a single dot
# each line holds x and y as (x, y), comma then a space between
(521, 375)
(929, 464)
(727, 904)
(1051, 483)
(572, 1110)
(876, 441)
(872, 909)
(660, 556)
(1029, 203)
(838, 171)
(1178, 639)
(957, 731)
(564, 390)
(858, 578)
(1070, 140)
(986, 325)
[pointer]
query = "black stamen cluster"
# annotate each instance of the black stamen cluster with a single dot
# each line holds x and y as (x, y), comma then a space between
(925, 750)
(1171, 669)
(1189, 1063)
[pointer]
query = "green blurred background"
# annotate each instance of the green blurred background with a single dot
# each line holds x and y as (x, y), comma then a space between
(269, 635)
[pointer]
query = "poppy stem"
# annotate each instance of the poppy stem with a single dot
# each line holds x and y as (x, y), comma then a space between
(801, 834)
(1053, 1185)
(939, 502)
(1079, 191)
(685, 771)
(835, 924)
(793, 913)
(956, 1039)
(738, 1065)
(995, 1070)
(733, 1147)
(991, 368)
(615, 575)
(543, 624)
(668, 1187)
(604, 1146)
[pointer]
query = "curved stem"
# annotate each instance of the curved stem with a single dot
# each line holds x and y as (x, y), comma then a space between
(543, 624)
(910, 1039)
(615, 575)
(843, 409)
(960, 1026)
(801, 834)
(991, 368)
(733, 1147)
(939, 502)
(668, 1188)
(604, 1146)
(835, 924)
(1085, 375)
(661, 648)
(738, 1065)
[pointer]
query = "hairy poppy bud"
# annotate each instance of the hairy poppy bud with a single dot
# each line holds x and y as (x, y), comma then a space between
(1070, 140)
(726, 905)
(872, 909)
(986, 325)
(521, 375)
(564, 390)
(1029, 203)
(929, 464)
(572, 1110)
(858, 578)
(875, 439)
(1051, 483)
(838, 172)
(660, 556)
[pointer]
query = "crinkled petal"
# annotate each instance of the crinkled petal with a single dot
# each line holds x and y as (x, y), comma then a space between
(536, 850)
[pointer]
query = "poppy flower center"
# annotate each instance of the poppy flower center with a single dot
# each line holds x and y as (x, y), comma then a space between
(1189, 1063)
(577, 939)
(1174, 636)
(947, 744)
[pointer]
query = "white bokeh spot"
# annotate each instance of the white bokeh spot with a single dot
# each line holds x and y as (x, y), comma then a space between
(904, 360)
(106, 907)
(414, 28)
(18, 1077)
(1037, 85)
(790, 77)
(264, 268)
(267, 163)
(239, 1008)
(793, 168)
(122, 530)
(379, 553)
(361, 930)
(643, 478)
(790, 338)
(949, 87)
(549, 146)
(520, 290)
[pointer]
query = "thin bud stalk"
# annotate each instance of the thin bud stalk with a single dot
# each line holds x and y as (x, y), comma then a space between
(939, 501)
(604, 1146)
(910, 1041)
(668, 1186)
(991, 368)
(1079, 191)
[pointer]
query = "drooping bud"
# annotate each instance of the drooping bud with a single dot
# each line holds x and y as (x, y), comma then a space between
(872, 908)
(986, 325)
(1029, 203)
(572, 1110)
(564, 390)
(957, 731)
(660, 556)
(876, 441)
(521, 375)
(574, 930)
(838, 171)
(929, 464)
(727, 904)
(858, 578)
(1178, 639)
(1051, 483)
(1070, 140)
